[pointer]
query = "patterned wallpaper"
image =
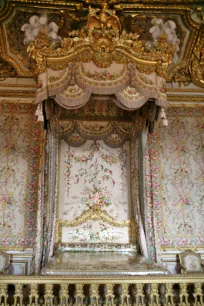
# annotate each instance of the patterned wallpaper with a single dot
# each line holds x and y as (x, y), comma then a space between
(19, 166)
(176, 181)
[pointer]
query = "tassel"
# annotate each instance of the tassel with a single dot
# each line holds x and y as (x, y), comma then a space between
(39, 113)
(165, 122)
(163, 115)
(40, 118)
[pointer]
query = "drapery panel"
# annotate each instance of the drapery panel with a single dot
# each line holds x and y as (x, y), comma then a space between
(136, 190)
(147, 173)
(39, 242)
(47, 201)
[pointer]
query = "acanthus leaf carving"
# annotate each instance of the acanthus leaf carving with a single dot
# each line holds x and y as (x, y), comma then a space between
(197, 60)
(103, 41)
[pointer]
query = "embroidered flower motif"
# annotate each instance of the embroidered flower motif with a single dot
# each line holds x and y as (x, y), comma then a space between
(87, 233)
(6, 200)
(130, 91)
(40, 84)
(98, 199)
(102, 75)
(55, 78)
(162, 87)
(109, 159)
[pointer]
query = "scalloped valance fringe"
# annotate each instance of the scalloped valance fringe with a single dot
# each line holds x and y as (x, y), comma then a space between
(72, 87)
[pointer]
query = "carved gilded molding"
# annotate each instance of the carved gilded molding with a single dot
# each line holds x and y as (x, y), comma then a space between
(102, 50)
(96, 214)
(16, 101)
(17, 93)
(197, 61)
(8, 85)
(185, 90)
(104, 279)
(189, 69)
(181, 98)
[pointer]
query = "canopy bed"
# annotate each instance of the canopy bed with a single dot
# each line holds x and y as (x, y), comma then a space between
(98, 91)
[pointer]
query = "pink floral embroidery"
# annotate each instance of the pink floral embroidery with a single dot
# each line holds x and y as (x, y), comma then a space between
(102, 75)
(175, 195)
(40, 84)
(98, 199)
(19, 175)
(162, 87)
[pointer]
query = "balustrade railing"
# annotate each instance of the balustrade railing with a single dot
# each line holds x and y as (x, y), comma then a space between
(164, 290)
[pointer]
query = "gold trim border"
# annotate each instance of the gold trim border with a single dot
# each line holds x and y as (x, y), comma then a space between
(95, 215)
(187, 99)
(91, 279)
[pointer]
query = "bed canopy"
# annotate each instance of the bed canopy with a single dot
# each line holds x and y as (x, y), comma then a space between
(101, 59)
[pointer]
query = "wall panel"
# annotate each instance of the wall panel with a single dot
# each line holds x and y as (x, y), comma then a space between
(20, 138)
(174, 183)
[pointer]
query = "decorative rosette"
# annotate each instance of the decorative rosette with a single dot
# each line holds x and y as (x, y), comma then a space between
(97, 199)
(42, 90)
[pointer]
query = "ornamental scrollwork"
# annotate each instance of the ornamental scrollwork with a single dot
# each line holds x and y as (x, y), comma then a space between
(197, 61)
(103, 42)
(6, 70)
(38, 50)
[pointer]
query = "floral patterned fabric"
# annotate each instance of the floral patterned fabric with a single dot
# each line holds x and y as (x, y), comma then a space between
(102, 81)
(19, 165)
(47, 201)
(175, 197)
(94, 177)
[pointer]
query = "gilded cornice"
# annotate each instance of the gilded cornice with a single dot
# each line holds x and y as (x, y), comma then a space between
(17, 101)
(182, 90)
(182, 98)
(17, 85)
(17, 93)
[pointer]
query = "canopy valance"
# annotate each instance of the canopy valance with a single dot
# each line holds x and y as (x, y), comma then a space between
(101, 59)
(73, 86)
